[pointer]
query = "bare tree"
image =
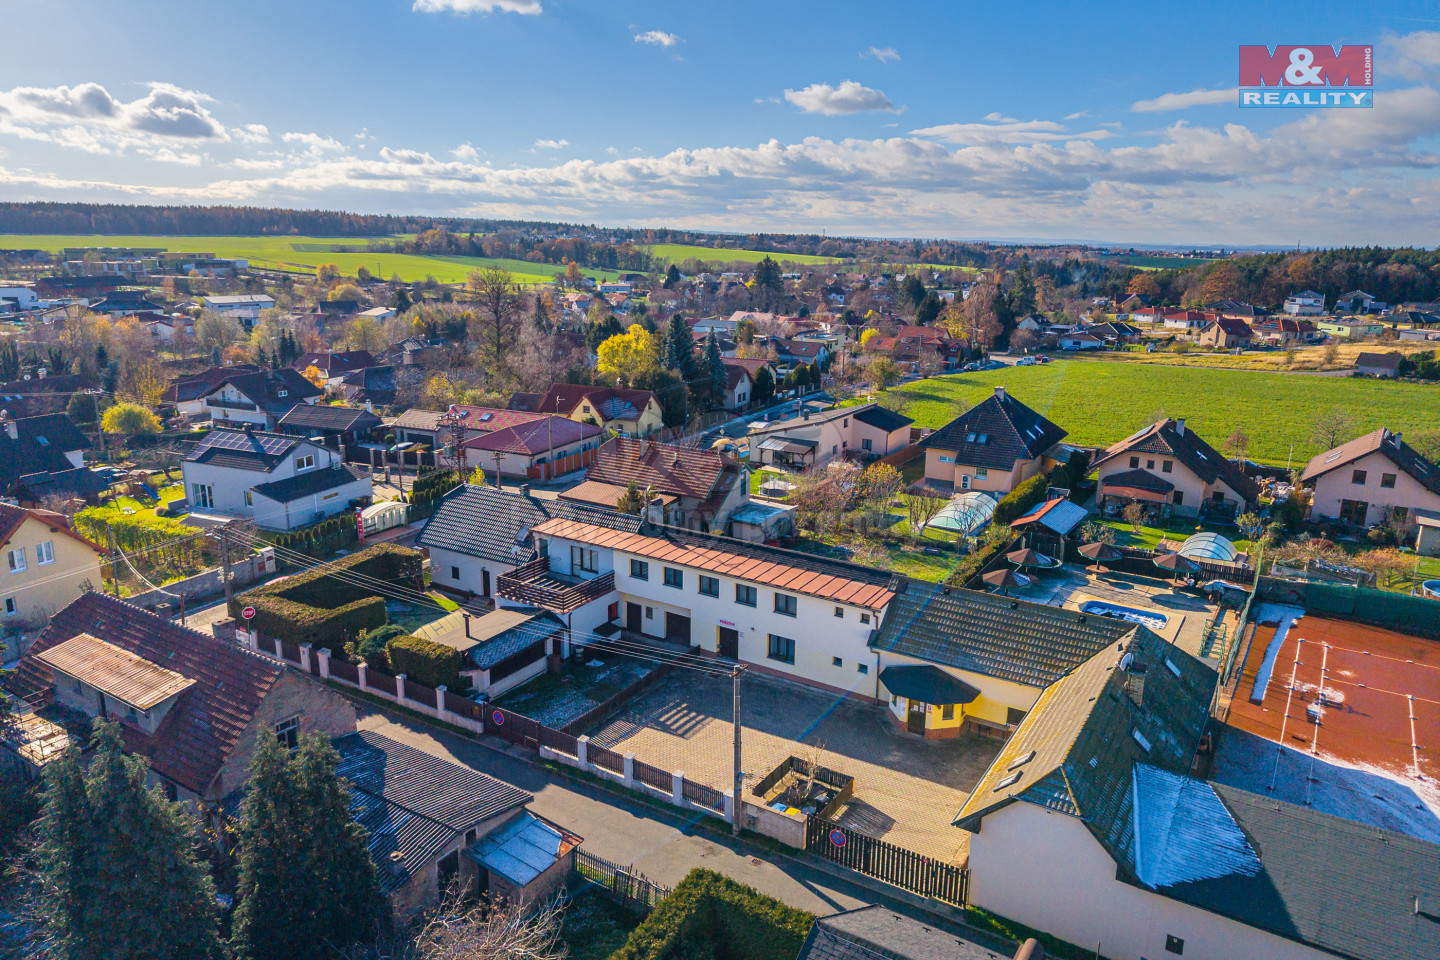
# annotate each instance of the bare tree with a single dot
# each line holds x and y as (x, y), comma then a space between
(921, 505)
(458, 929)
(1135, 516)
(500, 303)
(1333, 427)
(1237, 444)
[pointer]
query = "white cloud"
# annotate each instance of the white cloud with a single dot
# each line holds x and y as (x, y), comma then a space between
(613, 151)
(551, 144)
(1183, 101)
(314, 143)
(90, 118)
(528, 7)
(1002, 129)
(467, 152)
(849, 97)
(1417, 53)
(657, 38)
(251, 133)
(883, 54)
(1078, 114)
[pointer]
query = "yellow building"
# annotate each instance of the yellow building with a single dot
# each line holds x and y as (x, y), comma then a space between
(952, 661)
(634, 413)
(45, 565)
(996, 445)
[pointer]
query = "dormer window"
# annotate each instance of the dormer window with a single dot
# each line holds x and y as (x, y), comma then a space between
(305, 462)
(282, 393)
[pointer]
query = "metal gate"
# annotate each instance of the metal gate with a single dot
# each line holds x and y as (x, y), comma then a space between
(885, 861)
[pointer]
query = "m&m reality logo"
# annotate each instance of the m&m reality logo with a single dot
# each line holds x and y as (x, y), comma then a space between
(1314, 76)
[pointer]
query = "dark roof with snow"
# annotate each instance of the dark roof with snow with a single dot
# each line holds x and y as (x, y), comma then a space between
(995, 433)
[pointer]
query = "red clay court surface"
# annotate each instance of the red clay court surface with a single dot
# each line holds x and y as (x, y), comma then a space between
(1387, 685)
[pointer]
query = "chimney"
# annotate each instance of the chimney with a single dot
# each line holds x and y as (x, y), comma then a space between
(1031, 950)
(524, 489)
(1180, 426)
(467, 625)
(999, 393)
(41, 373)
(1135, 683)
(249, 429)
(368, 407)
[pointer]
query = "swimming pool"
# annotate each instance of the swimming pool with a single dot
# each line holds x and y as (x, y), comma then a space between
(1147, 618)
(1431, 588)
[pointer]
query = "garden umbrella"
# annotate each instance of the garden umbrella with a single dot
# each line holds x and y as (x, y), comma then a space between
(1001, 579)
(1176, 564)
(1101, 553)
(1029, 558)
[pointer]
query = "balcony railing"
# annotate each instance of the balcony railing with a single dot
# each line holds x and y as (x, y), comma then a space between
(230, 404)
(533, 583)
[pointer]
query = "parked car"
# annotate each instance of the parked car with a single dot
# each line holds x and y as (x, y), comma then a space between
(1025, 362)
(1043, 359)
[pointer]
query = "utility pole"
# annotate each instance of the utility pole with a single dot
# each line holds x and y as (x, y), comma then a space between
(738, 805)
(114, 562)
(225, 565)
(499, 456)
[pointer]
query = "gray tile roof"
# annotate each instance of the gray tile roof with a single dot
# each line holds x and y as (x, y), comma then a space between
(310, 417)
(1004, 430)
(879, 933)
(308, 483)
(1015, 640)
(489, 524)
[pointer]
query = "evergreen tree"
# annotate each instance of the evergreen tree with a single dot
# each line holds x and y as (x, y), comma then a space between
(121, 879)
(260, 358)
(764, 385)
(768, 287)
(928, 310)
(1021, 297)
(912, 289)
(306, 877)
(631, 501)
(672, 277)
(401, 300)
(56, 362)
(215, 358)
(680, 348)
(9, 361)
(715, 367)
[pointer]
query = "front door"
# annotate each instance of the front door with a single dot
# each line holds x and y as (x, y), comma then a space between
(729, 645)
(485, 583)
(916, 718)
(632, 617)
(1353, 512)
(449, 866)
(677, 627)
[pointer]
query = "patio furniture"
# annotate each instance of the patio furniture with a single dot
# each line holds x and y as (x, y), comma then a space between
(1100, 553)
(1000, 579)
(1031, 558)
(1176, 564)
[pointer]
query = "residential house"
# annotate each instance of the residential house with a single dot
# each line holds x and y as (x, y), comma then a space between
(863, 433)
(995, 445)
(791, 353)
(259, 399)
(47, 565)
(339, 428)
(1377, 478)
(740, 377)
(634, 413)
(1090, 825)
(479, 533)
(1191, 320)
(540, 448)
(1172, 469)
(1285, 330)
(1238, 310)
(502, 649)
(43, 457)
(167, 328)
(737, 600)
(1419, 336)
(372, 385)
(20, 296)
(126, 303)
(1225, 333)
(1080, 340)
(190, 703)
(920, 348)
(698, 489)
(329, 369)
(245, 307)
(1383, 365)
(1115, 331)
(55, 287)
(1358, 301)
(377, 313)
(1350, 328)
(953, 661)
(277, 481)
(1306, 303)
(432, 823)
(187, 393)
(1035, 323)
(875, 932)
(1131, 303)
(42, 394)
(1419, 319)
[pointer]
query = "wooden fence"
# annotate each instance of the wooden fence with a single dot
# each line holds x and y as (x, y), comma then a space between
(905, 869)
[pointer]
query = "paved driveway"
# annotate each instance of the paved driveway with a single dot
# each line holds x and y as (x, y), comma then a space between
(907, 789)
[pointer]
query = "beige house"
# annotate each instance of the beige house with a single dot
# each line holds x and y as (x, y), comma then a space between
(863, 433)
(1226, 333)
(1169, 468)
(46, 566)
(634, 413)
(1372, 479)
(995, 445)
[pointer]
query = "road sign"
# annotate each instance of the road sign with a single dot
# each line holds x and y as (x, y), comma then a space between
(248, 613)
(499, 718)
(837, 838)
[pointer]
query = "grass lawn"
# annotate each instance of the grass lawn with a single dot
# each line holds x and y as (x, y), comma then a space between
(593, 926)
(680, 252)
(1306, 358)
(413, 616)
(1101, 403)
(1148, 538)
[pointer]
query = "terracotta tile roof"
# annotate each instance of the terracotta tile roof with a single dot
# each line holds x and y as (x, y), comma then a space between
(669, 469)
(12, 517)
(603, 494)
(118, 672)
(535, 435)
(717, 559)
(1233, 326)
(491, 419)
(205, 725)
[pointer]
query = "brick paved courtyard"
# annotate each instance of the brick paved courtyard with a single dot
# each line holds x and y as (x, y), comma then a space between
(907, 789)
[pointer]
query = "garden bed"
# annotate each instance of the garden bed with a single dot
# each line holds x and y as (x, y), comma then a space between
(557, 700)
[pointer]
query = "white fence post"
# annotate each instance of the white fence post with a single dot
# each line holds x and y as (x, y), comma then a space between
(730, 806)
(360, 669)
(677, 788)
(400, 688)
(629, 768)
(324, 654)
(440, 702)
(305, 649)
(582, 751)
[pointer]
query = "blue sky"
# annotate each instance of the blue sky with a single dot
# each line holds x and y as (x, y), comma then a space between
(1061, 121)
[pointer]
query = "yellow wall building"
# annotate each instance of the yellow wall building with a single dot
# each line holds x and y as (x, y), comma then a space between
(44, 565)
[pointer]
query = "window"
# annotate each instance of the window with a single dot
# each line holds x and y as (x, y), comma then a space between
(248, 501)
(1358, 477)
(864, 618)
(1166, 465)
(1387, 480)
(282, 393)
(10, 608)
(745, 595)
(454, 573)
(288, 733)
(584, 559)
(837, 662)
(17, 559)
(1179, 497)
(45, 552)
(840, 613)
(862, 668)
(709, 586)
(782, 649)
(674, 577)
(785, 604)
(1174, 944)
(649, 613)
(947, 712)
(945, 459)
(1134, 462)
(866, 445)
(305, 462)
(1013, 716)
(639, 569)
(1149, 464)
(981, 473)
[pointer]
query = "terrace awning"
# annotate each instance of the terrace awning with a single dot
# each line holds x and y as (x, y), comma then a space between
(927, 684)
(1135, 493)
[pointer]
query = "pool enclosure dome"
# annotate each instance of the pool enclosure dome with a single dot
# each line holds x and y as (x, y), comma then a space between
(964, 514)
(1209, 546)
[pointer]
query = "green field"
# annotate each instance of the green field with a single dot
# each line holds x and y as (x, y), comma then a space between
(304, 254)
(1101, 403)
(679, 252)
(1143, 262)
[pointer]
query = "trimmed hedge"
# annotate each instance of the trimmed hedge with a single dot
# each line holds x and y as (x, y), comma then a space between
(972, 563)
(712, 917)
(426, 661)
(323, 538)
(1014, 504)
(319, 608)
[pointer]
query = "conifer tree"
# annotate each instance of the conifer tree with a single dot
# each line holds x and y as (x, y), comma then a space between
(715, 367)
(120, 877)
(680, 348)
